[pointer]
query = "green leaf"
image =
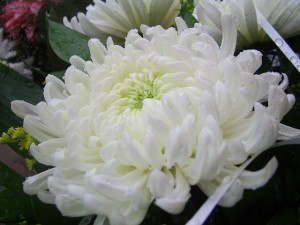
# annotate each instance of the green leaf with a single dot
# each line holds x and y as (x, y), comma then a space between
(13, 199)
(48, 214)
(14, 86)
(16, 206)
(187, 6)
(66, 42)
(186, 12)
(189, 19)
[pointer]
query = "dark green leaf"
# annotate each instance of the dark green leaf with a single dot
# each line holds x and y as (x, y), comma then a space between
(48, 214)
(189, 19)
(16, 206)
(66, 42)
(67, 9)
(13, 86)
(187, 8)
(13, 200)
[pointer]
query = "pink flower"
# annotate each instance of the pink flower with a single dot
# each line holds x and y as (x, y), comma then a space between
(21, 15)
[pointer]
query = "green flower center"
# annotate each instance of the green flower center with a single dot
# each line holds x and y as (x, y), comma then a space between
(137, 87)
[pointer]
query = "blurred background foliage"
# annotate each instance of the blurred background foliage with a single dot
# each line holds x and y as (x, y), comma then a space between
(277, 203)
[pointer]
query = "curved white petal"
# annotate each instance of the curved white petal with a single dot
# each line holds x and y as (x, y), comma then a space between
(229, 37)
(116, 18)
(174, 201)
(246, 180)
(36, 183)
(254, 180)
(22, 108)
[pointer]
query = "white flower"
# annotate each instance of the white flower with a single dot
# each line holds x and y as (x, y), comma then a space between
(142, 123)
(7, 53)
(6, 47)
(282, 14)
(116, 17)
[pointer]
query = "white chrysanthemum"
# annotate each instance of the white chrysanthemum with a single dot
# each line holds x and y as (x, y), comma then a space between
(116, 17)
(142, 123)
(282, 14)
(7, 53)
(6, 47)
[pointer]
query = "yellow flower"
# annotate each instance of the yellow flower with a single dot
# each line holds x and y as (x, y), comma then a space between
(18, 135)
(25, 142)
(5, 138)
(30, 163)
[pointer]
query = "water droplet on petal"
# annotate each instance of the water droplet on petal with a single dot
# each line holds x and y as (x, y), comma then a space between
(279, 42)
(294, 59)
